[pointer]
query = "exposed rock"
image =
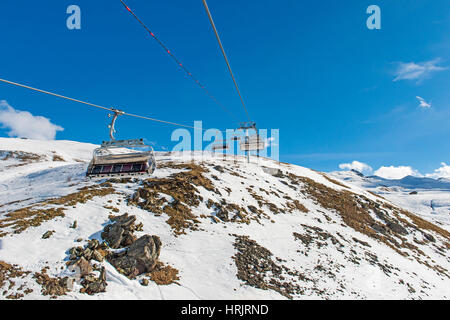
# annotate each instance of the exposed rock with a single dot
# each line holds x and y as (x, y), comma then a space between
(395, 227)
(93, 244)
(48, 234)
(82, 266)
(52, 286)
(429, 237)
(120, 233)
(256, 268)
(93, 285)
(141, 256)
(379, 228)
(97, 256)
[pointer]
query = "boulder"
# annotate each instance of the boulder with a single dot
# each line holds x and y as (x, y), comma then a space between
(120, 233)
(397, 228)
(82, 266)
(48, 234)
(94, 285)
(140, 257)
(113, 235)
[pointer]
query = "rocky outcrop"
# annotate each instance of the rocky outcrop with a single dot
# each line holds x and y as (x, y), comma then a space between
(140, 257)
(120, 233)
(93, 285)
(83, 270)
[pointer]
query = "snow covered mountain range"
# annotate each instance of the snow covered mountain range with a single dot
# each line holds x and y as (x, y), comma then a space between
(215, 228)
(426, 197)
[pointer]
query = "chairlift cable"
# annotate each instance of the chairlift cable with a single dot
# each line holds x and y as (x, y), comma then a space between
(225, 56)
(177, 61)
(98, 106)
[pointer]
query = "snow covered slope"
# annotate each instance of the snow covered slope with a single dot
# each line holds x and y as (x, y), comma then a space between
(228, 230)
(429, 198)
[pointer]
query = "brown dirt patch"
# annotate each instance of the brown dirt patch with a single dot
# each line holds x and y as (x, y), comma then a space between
(164, 275)
(33, 216)
(182, 187)
(355, 211)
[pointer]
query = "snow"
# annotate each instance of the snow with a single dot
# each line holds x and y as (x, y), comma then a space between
(432, 201)
(204, 257)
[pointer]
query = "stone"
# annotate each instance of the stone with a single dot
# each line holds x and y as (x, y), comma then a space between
(97, 256)
(429, 237)
(67, 283)
(93, 244)
(120, 233)
(141, 256)
(87, 254)
(48, 234)
(395, 227)
(144, 282)
(102, 276)
(83, 267)
(113, 235)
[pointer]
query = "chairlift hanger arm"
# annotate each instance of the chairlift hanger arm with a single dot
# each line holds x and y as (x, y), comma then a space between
(111, 126)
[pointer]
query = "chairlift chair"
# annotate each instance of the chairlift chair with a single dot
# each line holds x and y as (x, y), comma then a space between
(252, 143)
(121, 158)
(222, 146)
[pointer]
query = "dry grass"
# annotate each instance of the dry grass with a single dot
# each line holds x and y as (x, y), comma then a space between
(332, 180)
(296, 205)
(182, 187)
(164, 275)
(355, 212)
(58, 158)
(33, 216)
(8, 273)
(376, 195)
(21, 155)
(50, 286)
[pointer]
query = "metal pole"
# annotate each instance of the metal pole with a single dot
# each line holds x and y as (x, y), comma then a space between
(247, 152)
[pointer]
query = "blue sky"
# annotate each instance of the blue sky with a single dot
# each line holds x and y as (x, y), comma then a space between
(337, 91)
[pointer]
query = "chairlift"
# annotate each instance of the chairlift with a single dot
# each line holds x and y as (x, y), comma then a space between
(220, 146)
(252, 143)
(121, 158)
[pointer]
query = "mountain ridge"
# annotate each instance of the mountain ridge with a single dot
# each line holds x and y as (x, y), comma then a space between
(231, 230)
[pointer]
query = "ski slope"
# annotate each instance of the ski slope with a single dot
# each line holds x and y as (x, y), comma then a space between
(314, 248)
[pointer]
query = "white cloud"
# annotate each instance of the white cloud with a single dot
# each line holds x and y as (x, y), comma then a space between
(442, 172)
(423, 103)
(23, 124)
(393, 172)
(417, 71)
(358, 166)
(399, 172)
